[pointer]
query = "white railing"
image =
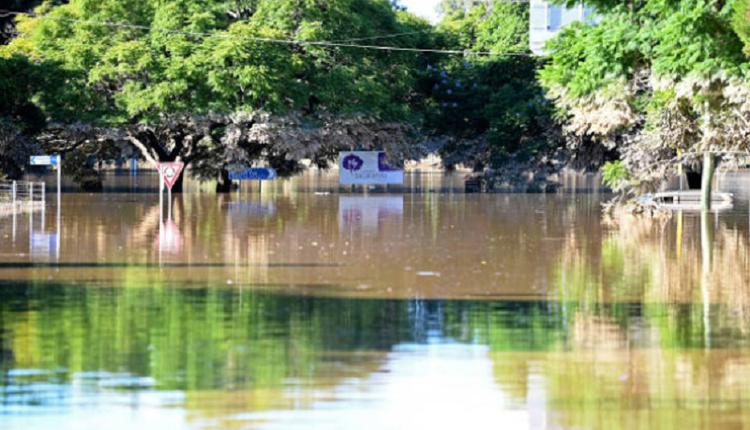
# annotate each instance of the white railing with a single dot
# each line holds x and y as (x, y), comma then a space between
(15, 194)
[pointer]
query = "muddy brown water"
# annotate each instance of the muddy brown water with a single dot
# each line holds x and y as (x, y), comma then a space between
(385, 311)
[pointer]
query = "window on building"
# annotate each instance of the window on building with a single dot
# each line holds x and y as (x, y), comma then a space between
(554, 17)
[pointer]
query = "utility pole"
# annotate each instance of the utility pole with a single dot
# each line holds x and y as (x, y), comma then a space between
(709, 167)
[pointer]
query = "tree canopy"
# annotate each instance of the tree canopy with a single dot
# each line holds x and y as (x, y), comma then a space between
(225, 56)
(489, 106)
(659, 81)
(136, 65)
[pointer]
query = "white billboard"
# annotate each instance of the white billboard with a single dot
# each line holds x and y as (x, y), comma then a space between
(367, 168)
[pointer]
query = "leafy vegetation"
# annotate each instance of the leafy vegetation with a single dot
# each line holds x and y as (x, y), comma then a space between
(170, 78)
(180, 63)
(489, 107)
(614, 174)
(652, 84)
(660, 82)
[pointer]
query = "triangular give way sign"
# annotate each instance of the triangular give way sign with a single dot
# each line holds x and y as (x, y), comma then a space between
(170, 172)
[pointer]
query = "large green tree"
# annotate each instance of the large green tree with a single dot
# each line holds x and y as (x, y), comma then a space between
(658, 81)
(487, 103)
(160, 72)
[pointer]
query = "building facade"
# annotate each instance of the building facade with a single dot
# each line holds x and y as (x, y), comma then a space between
(545, 20)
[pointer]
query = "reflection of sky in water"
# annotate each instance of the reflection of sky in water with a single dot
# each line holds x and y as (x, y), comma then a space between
(437, 386)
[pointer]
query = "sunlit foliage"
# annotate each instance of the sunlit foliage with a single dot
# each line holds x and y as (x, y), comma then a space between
(658, 81)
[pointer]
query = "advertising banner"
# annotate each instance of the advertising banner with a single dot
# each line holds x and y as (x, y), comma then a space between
(367, 168)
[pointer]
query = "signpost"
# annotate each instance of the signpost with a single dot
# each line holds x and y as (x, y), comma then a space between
(45, 160)
(252, 174)
(168, 173)
(56, 161)
(49, 160)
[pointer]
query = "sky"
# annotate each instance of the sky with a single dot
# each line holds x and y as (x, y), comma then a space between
(423, 8)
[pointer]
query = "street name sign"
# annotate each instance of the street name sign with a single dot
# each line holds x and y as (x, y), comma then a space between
(253, 174)
(45, 160)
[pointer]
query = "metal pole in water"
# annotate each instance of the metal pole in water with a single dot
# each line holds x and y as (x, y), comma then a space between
(709, 167)
(59, 181)
(59, 208)
(31, 230)
(42, 224)
(169, 205)
(13, 192)
(678, 245)
(161, 197)
(680, 171)
(706, 257)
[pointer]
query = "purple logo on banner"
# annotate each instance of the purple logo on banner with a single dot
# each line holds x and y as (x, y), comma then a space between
(352, 163)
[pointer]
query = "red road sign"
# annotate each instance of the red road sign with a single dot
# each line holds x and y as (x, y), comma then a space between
(170, 172)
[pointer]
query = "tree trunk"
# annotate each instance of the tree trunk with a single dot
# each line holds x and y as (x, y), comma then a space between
(709, 167)
(177, 187)
(693, 179)
(223, 183)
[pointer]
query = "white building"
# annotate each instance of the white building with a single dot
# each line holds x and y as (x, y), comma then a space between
(546, 20)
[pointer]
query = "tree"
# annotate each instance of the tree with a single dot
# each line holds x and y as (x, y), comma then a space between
(178, 63)
(7, 29)
(449, 7)
(489, 106)
(741, 22)
(659, 82)
(15, 150)
(19, 116)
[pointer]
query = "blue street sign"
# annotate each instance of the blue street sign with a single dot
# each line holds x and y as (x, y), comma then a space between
(253, 174)
(45, 160)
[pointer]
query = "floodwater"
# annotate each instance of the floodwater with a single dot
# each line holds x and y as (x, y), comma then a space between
(296, 310)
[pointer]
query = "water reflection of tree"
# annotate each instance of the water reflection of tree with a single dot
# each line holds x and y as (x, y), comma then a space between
(649, 336)
(192, 340)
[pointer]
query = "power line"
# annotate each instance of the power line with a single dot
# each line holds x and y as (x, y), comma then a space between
(322, 43)
(384, 36)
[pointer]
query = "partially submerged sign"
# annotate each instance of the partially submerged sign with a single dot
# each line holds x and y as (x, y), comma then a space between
(253, 174)
(51, 160)
(170, 172)
(45, 160)
(367, 168)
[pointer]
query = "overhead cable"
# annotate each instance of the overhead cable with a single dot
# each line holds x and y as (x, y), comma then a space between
(322, 43)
